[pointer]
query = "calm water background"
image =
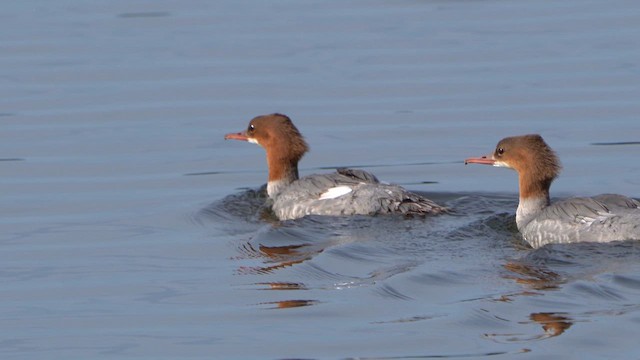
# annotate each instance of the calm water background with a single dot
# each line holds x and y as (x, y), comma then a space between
(118, 238)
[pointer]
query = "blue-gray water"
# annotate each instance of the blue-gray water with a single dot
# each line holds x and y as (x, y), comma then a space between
(118, 238)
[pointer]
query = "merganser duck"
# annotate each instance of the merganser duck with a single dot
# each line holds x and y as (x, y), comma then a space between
(602, 218)
(345, 192)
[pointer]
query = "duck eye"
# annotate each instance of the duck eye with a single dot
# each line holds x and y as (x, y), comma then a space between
(251, 127)
(500, 151)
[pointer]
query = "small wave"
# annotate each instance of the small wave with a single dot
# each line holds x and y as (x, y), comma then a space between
(617, 143)
(388, 291)
(236, 210)
(145, 14)
(588, 289)
(444, 355)
(410, 319)
(627, 281)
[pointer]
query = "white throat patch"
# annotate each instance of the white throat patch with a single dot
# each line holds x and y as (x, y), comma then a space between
(501, 164)
(253, 141)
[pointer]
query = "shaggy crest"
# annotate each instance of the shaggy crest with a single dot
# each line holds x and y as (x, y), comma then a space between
(283, 136)
(530, 155)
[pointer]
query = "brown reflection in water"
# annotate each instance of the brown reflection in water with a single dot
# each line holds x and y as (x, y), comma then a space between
(553, 324)
(279, 256)
(286, 304)
(535, 277)
(283, 286)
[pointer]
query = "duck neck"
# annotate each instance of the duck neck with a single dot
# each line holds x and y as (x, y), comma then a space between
(282, 172)
(534, 196)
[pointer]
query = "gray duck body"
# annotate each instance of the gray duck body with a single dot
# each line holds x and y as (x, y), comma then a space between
(367, 196)
(602, 218)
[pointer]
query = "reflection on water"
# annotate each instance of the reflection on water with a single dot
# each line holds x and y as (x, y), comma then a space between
(533, 276)
(553, 324)
(279, 256)
(287, 304)
(283, 286)
(318, 253)
(574, 271)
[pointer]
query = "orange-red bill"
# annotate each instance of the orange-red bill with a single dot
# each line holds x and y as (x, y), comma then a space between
(485, 160)
(242, 136)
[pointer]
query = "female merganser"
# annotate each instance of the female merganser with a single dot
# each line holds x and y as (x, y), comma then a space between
(601, 218)
(345, 192)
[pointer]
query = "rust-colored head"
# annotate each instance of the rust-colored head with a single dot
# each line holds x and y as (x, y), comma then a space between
(282, 141)
(535, 162)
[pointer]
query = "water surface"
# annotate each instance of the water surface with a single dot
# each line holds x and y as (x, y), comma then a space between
(131, 229)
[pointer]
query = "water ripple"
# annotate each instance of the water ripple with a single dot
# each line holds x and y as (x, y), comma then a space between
(627, 281)
(319, 253)
(388, 291)
(445, 356)
(236, 211)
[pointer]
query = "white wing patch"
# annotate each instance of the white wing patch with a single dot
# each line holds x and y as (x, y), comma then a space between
(335, 192)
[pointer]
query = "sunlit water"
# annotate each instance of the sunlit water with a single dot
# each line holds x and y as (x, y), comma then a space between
(131, 229)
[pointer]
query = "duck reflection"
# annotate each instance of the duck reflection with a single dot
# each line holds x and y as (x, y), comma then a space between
(283, 286)
(287, 304)
(278, 257)
(553, 324)
(285, 244)
(533, 276)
